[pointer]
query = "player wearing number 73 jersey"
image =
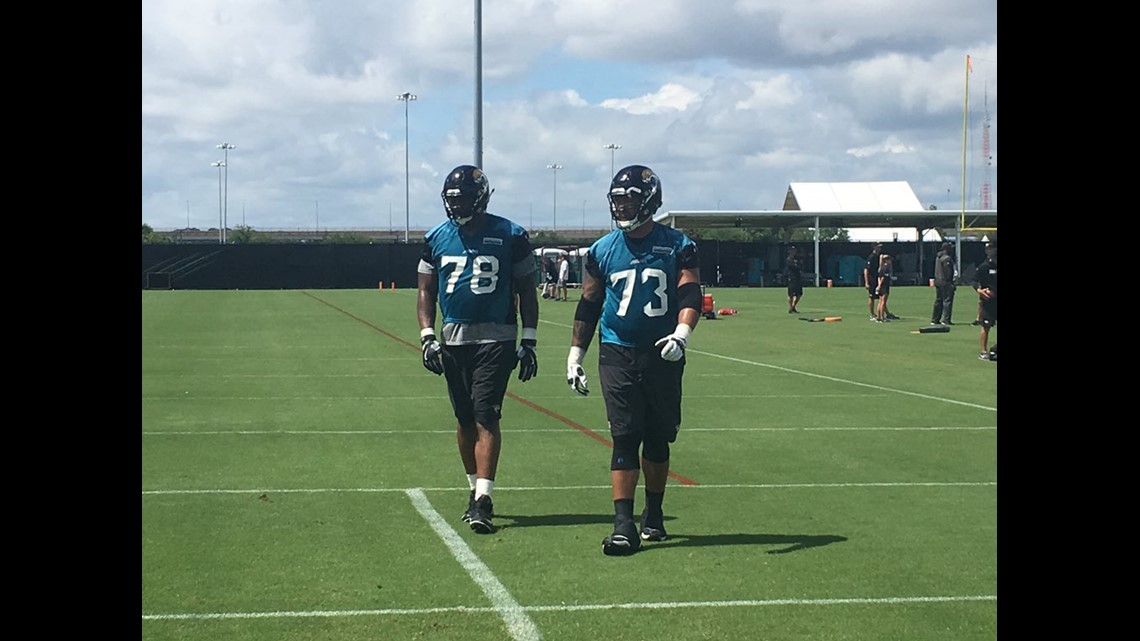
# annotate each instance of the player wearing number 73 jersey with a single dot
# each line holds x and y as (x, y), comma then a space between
(642, 283)
(476, 265)
(640, 277)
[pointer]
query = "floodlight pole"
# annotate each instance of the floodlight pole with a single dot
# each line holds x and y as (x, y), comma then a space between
(406, 97)
(612, 147)
(555, 167)
(221, 236)
(226, 147)
(478, 84)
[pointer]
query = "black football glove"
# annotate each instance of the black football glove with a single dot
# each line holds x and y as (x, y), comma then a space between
(433, 354)
(528, 359)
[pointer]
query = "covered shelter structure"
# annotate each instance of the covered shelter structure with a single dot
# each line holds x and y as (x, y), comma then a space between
(844, 205)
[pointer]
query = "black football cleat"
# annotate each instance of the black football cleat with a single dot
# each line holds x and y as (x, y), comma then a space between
(470, 507)
(481, 514)
(623, 541)
(652, 529)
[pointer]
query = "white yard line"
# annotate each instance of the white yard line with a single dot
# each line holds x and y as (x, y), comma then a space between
(672, 488)
(519, 625)
(562, 430)
(573, 608)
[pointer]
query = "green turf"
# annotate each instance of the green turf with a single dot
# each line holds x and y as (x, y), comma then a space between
(834, 480)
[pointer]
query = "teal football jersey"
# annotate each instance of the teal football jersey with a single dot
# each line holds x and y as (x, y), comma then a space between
(640, 277)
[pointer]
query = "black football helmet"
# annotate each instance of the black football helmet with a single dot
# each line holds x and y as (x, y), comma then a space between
(635, 195)
(465, 194)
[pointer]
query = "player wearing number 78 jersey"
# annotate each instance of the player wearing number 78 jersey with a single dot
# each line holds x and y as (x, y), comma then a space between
(477, 265)
(642, 283)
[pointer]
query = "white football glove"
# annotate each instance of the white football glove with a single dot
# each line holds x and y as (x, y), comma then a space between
(575, 375)
(673, 345)
(433, 353)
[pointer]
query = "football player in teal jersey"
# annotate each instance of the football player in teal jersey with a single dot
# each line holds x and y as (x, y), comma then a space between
(480, 269)
(641, 282)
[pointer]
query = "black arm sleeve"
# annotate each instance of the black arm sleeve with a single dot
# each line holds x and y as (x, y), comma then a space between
(689, 295)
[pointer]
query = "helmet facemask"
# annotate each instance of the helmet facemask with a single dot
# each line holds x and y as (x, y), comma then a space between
(635, 195)
(462, 208)
(627, 207)
(466, 193)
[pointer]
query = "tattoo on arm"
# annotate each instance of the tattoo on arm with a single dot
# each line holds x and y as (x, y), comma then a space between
(582, 334)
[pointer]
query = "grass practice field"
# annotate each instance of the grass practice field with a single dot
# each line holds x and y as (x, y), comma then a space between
(300, 479)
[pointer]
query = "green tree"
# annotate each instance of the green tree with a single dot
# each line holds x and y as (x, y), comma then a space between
(151, 237)
(245, 235)
(346, 238)
(545, 238)
(825, 233)
(768, 234)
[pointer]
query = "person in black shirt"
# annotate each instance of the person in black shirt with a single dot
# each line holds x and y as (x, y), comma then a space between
(793, 273)
(871, 280)
(985, 283)
(943, 286)
(551, 273)
(886, 274)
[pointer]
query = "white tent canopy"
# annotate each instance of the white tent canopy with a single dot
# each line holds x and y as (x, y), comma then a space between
(841, 205)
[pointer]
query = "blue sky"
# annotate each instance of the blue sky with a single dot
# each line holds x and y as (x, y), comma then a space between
(728, 100)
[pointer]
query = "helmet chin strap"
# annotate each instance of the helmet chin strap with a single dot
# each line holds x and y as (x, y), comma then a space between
(462, 221)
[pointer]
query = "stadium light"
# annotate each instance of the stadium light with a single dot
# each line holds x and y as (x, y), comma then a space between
(612, 147)
(406, 97)
(221, 237)
(555, 167)
(226, 147)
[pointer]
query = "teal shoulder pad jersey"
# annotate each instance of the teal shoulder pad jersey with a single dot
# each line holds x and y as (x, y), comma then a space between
(476, 273)
(640, 277)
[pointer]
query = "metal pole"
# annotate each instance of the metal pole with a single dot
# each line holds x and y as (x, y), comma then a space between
(612, 147)
(407, 178)
(226, 147)
(226, 207)
(406, 97)
(478, 84)
(555, 167)
(219, 165)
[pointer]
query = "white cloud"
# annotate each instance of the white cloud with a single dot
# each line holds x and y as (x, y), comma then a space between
(671, 97)
(779, 91)
(789, 91)
(888, 146)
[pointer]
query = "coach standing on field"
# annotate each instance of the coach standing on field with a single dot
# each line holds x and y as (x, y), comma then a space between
(943, 285)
